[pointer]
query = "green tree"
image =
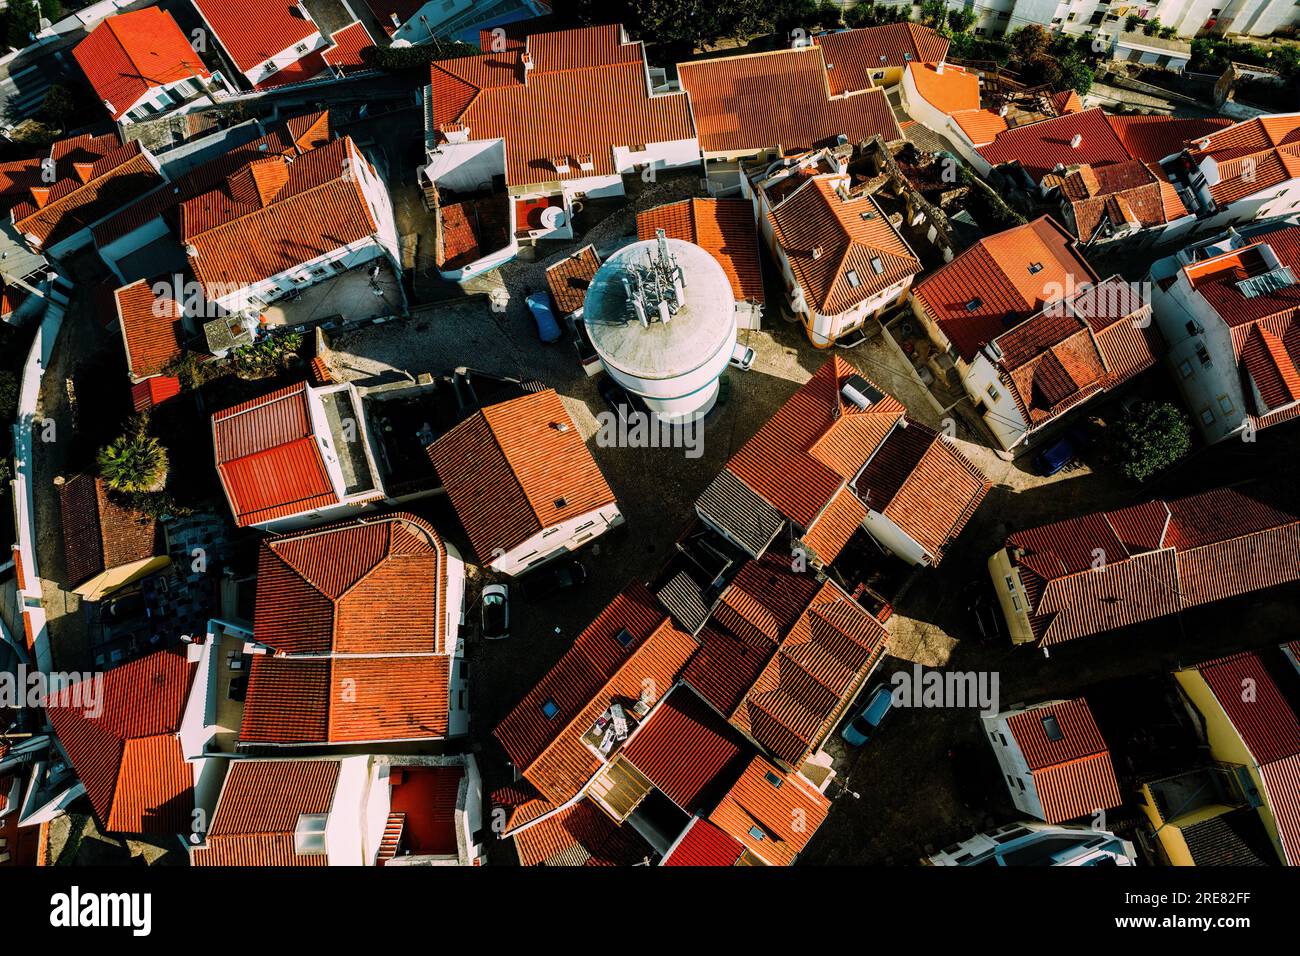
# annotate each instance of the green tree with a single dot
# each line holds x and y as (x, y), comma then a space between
(1131, 22)
(135, 462)
(58, 108)
(1150, 438)
(1072, 73)
(934, 13)
(23, 21)
(1030, 43)
(959, 21)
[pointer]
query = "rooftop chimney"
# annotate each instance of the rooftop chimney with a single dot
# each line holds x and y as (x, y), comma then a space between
(817, 252)
(938, 68)
(1075, 140)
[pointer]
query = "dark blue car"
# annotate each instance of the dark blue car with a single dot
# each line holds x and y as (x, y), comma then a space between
(548, 329)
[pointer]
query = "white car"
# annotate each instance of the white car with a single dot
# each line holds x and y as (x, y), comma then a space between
(742, 357)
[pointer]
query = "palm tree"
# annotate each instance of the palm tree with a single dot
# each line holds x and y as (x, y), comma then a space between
(135, 462)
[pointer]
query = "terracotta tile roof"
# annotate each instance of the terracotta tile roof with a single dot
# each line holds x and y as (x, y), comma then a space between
(834, 527)
(127, 55)
(681, 747)
(980, 126)
(305, 68)
(703, 844)
(1211, 546)
(101, 533)
(853, 55)
(724, 228)
(1268, 727)
(1079, 347)
(252, 31)
(1067, 101)
(814, 443)
(779, 99)
(358, 604)
(511, 472)
(1124, 192)
(1216, 279)
(1252, 156)
(291, 137)
(151, 328)
(569, 279)
(269, 459)
(1042, 146)
(349, 46)
(128, 757)
(924, 485)
(1073, 775)
(273, 215)
(818, 667)
(258, 811)
(94, 176)
(585, 95)
(771, 813)
(580, 835)
(1153, 138)
(323, 591)
(842, 251)
(541, 735)
(153, 391)
(990, 286)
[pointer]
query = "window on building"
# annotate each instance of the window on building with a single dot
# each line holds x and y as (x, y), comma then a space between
(772, 778)
(309, 834)
(550, 708)
(1203, 354)
(1021, 784)
(1207, 415)
(1035, 268)
(301, 48)
(877, 266)
(1011, 781)
(974, 304)
(993, 393)
(852, 276)
(757, 833)
(624, 636)
(1185, 369)
(1052, 728)
(1225, 404)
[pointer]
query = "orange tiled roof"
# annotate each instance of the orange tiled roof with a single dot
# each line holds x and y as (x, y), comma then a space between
(994, 283)
(93, 176)
(253, 31)
(541, 735)
(771, 813)
(128, 757)
(275, 214)
(350, 43)
(258, 810)
(580, 835)
(1073, 775)
(150, 328)
(1252, 156)
(1160, 558)
(585, 95)
(516, 468)
(842, 249)
(129, 54)
(268, 458)
(358, 604)
(569, 279)
(100, 533)
(722, 227)
(957, 93)
(779, 99)
(852, 56)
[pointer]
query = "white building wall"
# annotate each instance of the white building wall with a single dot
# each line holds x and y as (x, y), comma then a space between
(1002, 415)
(895, 539)
(1015, 769)
(558, 540)
(345, 828)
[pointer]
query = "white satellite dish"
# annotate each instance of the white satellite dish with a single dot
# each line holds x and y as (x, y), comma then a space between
(552, 217)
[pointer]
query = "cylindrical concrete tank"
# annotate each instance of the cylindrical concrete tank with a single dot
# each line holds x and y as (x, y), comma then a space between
(673, 365)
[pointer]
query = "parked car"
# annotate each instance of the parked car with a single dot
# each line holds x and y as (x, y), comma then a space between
(742, 357)
(864, 724)
(494, 611)
(620, 400)
(1055, 458)
(548, 327)
(553, 577)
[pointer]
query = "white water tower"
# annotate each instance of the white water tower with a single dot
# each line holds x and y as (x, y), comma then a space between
(662, 317)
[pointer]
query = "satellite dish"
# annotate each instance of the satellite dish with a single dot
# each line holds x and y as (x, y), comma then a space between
(552, 217)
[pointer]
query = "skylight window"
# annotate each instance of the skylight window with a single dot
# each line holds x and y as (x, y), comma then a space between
(877, 266)
(757, 833)
(772, 778)
(550, 708)
(1035, 268)
(309, 834)
(974, 304)
(852, 276)
(624, 636)
(1052, 728)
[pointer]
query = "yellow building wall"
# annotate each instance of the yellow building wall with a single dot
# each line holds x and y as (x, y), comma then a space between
(1226, 745)
(1017, 620)
(105, 583)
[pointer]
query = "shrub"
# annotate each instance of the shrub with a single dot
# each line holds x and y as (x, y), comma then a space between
(8, 395)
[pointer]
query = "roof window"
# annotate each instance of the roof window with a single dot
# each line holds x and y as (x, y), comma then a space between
(974, 304)
(772, 778)
(1035, 268)
(877, 266)
(624, 636)
(1052, 728)
(757, 833)
(550, 708)
(309, 834)
(852, 276)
